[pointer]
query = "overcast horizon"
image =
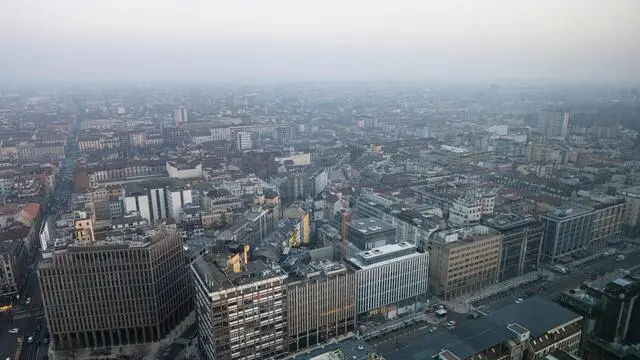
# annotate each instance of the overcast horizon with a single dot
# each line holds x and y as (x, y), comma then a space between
(287, 40)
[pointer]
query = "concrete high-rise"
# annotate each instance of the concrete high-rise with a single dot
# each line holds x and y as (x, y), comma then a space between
(244, 141)
(321, 303)
(521, 243)
(464, 261)
(114, 293)
(180, 115)
(553, 124)
(566, 231)
(620, 319)
(390, 279)
(240, 307)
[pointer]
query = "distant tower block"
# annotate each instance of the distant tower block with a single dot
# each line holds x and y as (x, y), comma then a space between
(180, 115)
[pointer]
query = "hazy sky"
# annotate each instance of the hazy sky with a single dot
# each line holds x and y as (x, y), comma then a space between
(212, 40)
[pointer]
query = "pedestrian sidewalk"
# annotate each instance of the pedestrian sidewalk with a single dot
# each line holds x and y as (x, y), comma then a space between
(463, 304)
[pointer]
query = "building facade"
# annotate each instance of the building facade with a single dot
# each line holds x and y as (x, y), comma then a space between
(553, 124)
(97, 295)
(241, 308)
(566, 231)
(321, 304)
(607, 224)
(521, 243)
(390, 279)
(464, 261)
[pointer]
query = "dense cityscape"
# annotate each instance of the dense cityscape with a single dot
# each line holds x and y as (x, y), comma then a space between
(320, 221)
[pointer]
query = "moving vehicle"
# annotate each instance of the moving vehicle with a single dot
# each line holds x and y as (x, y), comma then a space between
(451, 324)
(30, 339)
(561, 269)
(620, 258)
(13, 331)
(518, 301)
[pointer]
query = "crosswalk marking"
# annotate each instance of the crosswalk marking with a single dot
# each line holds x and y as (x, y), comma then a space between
(27, 315)
(182, 341)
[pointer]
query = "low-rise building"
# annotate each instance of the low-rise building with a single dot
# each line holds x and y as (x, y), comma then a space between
(514, 332)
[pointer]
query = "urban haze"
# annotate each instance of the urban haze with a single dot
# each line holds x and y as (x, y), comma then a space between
(257, 180)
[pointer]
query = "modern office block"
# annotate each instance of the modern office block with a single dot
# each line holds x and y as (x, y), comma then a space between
(321, 304)
(566, 231)
(115, 293)
(390, 279)
(521, 243)
(620, 318)
(369, 233)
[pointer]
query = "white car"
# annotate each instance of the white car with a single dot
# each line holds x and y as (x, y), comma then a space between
(30, 339)
(518, 301)
(28, 301)
(13, 331)
(451, 324)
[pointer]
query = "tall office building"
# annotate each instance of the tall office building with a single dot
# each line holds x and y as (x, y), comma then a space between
(521, 243)
(464, 261)
(157, 199)
(553, 124)
(620, 318)
(565, 232)
(390, 279)
(321, 303)
(241, 307)
(180, 115)
(244, 141)
(115, 294)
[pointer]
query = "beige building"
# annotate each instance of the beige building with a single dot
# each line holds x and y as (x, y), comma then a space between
(632, 205)
(464, 261)
(321, 299)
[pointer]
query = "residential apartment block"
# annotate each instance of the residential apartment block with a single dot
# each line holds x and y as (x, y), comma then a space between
(241, 307)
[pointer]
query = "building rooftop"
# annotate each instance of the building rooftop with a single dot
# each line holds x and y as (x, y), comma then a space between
(369, 226)
(383, 255)
(350, 349)
(135, 187)
(215, 274)
(544, 341)
(568, 213)
(506, 221)
(457, 237)
(317, 270)
(486, 332)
